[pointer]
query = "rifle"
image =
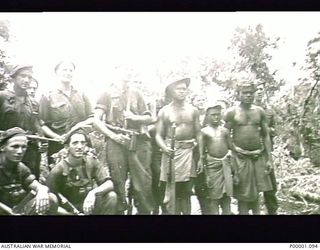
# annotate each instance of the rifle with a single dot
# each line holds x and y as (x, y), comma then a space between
(41, 138)
(20, 208)
(6, 209)
(129, 195)
(68, 205)
(133, 135)
(170, 193)
(35, 137)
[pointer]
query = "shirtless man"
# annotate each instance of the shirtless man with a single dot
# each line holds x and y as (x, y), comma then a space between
(218, 168)
(186, 119)
(270, 198)
(251, 142)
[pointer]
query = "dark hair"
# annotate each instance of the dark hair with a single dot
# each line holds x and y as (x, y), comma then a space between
(78, 131)
(58, 65)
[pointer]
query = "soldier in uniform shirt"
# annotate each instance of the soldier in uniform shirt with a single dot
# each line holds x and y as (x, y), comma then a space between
(82, 179)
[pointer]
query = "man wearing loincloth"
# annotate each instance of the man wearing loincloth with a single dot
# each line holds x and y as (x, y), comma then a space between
(186, 119)
(252, 147)
(217, 164)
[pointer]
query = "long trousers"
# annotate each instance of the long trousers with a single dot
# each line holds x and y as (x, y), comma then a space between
(138, 163)
(105, 204)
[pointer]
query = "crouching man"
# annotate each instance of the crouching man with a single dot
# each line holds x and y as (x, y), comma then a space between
(81, 181)
(20, 192)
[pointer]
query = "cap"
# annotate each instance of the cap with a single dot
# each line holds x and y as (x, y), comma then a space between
(214, 105)
(6, 135)
(18, 67)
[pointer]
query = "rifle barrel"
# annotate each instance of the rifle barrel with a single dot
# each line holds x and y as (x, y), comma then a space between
(36, 137)
(118, 129)
(41, 138)
(6, 209)
(65, 201)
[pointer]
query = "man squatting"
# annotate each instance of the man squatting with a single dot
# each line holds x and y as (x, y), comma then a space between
(242, 149)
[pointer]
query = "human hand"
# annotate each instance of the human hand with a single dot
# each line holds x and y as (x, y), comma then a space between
(168, 151)
(199, 168)
(88, 204)
(120, 138)
(269, 167)
(42, 200)
(236, 179)
(128, 115)
(61, 138)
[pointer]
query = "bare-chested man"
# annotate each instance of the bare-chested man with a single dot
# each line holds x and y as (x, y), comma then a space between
(186, 119)
(251, 142)
(270, 198)
(218, 167)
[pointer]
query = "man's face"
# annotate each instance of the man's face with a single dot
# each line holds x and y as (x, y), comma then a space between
(199, 102)
(259, 95)
(77, 145)
(65, 72)
(15, 148)
(31, 90)
(247, 95)
(179, 91)
(22, 79)
(214, 116)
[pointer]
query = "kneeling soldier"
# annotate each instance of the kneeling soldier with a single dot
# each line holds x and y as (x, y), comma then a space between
(81, 179)
(20, 192)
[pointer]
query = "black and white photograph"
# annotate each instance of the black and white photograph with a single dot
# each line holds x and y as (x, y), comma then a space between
(159, 113)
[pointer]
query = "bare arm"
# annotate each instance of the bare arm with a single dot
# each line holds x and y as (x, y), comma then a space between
(42, 196)
(160, 133)
(89, 201)
(99, 124)
(228, 118)
(142, 119)
(105, 187)
(198, 133)
(234, 167)
(266, 135)
(48, 132)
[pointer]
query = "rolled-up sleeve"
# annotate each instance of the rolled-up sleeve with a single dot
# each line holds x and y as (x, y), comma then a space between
(26, 176)
(101, 174)
(104, 102)
(142, 106)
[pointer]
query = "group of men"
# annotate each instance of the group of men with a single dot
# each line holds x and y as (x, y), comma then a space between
(166, 152)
